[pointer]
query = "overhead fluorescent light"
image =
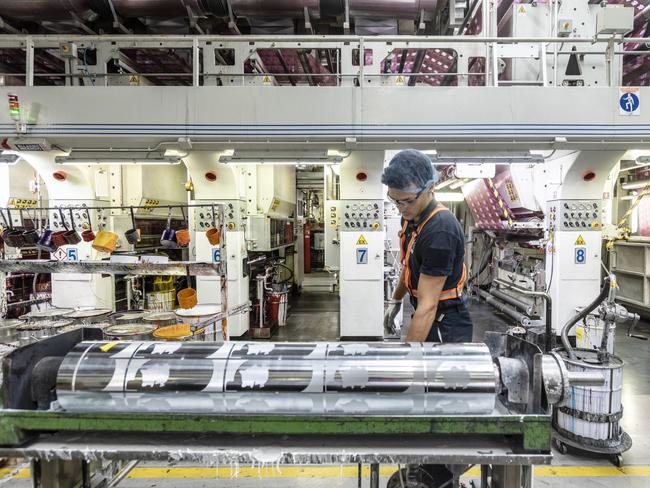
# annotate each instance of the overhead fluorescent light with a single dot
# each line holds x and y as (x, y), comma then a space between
(449, 196)
(175, 153)
(287, 158)
(635, 185)
(116, 158)
(487, 158)
(444, 184)
(272, 162)
(119, 162)
(457, 184)
(280, 161)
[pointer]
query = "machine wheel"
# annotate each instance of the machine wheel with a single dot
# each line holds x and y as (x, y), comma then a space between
(395, 482)
(561, 446)
(617, 460)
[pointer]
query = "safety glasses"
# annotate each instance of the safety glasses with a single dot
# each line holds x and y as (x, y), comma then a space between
(410, 201)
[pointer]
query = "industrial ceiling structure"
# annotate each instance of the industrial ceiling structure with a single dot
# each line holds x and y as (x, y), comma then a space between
(297, 17)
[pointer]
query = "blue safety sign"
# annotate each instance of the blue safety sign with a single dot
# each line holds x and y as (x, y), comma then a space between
(362, 255)
(216, 255)
(629, 103)
(581, 255)
(73, 255)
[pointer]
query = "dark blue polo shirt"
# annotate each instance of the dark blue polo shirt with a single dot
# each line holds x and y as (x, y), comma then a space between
(439, 250)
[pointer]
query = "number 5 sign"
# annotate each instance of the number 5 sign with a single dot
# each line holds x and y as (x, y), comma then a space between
(581, 255)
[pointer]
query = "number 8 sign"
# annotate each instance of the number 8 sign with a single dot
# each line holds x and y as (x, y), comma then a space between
(581, 255)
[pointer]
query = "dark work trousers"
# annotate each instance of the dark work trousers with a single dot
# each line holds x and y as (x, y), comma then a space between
(452, 324)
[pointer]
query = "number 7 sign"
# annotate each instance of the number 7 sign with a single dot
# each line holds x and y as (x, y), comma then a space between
(362, 255)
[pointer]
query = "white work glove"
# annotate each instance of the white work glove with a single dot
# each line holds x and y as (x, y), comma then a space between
(393, 309)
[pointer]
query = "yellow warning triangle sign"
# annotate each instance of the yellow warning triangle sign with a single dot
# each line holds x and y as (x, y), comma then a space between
(522, 10)
(362, 241)
(266, 80)
(399, 80)
(134, 79)
(580, 241)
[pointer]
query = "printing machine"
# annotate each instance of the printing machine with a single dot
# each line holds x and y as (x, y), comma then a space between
(411, 406)
(72, 401)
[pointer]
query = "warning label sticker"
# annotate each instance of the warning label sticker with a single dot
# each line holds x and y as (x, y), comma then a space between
(362, 241)
(580, 241)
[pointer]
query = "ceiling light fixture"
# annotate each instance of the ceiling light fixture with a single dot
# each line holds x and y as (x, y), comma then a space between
(449, 196)
(117, 158)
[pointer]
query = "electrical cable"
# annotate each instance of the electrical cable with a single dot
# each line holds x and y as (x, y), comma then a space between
(290, 278)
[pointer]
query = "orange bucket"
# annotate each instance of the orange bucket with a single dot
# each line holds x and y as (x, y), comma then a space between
(214, 236)
(183, 237)
(187, 298)
(105, 241)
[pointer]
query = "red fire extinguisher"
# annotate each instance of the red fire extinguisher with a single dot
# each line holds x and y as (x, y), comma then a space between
(307, 245)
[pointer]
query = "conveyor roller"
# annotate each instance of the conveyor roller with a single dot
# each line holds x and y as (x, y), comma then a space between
(282, 378)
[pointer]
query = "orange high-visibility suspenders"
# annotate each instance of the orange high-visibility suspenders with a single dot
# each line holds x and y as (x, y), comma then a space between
(406, 264)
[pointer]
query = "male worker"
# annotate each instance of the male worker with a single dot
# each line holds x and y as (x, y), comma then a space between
(433, 273)
(432, 254)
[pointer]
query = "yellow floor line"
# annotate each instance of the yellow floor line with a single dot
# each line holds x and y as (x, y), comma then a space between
(225, 472)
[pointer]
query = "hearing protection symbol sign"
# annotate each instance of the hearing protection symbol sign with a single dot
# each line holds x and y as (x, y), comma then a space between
(362, 241)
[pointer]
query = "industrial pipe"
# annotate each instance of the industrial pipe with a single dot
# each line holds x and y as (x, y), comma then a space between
(274, 8)
(278, 378)
(564, 333)
(391, 8)
(527, 308)
(34, 10)
(521, 318)
(548, 311)
(52, 10)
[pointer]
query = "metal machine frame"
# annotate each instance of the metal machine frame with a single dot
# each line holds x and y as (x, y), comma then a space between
(505, 443)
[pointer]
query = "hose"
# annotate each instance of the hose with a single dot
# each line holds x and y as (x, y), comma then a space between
(485, 259)
(290, 278)
(564, 334)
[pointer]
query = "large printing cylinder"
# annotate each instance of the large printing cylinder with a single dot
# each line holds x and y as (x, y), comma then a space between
(280, 378)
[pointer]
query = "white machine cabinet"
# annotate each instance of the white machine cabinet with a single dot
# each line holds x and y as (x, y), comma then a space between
(362, 268)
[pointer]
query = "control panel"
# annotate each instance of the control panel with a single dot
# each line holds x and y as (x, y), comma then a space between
(80, 216)
(234, 214)
(267, 233)
(364, 215)
(575, 215)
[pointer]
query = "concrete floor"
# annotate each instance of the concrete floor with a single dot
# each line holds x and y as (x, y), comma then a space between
(314, 316)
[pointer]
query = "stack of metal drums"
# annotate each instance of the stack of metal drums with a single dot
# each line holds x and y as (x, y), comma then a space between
(125, 325)
(40, 324)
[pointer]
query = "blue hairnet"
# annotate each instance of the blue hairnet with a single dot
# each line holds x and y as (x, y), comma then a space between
(410, 168)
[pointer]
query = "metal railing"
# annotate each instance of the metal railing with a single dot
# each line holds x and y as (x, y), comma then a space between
(607, 53)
